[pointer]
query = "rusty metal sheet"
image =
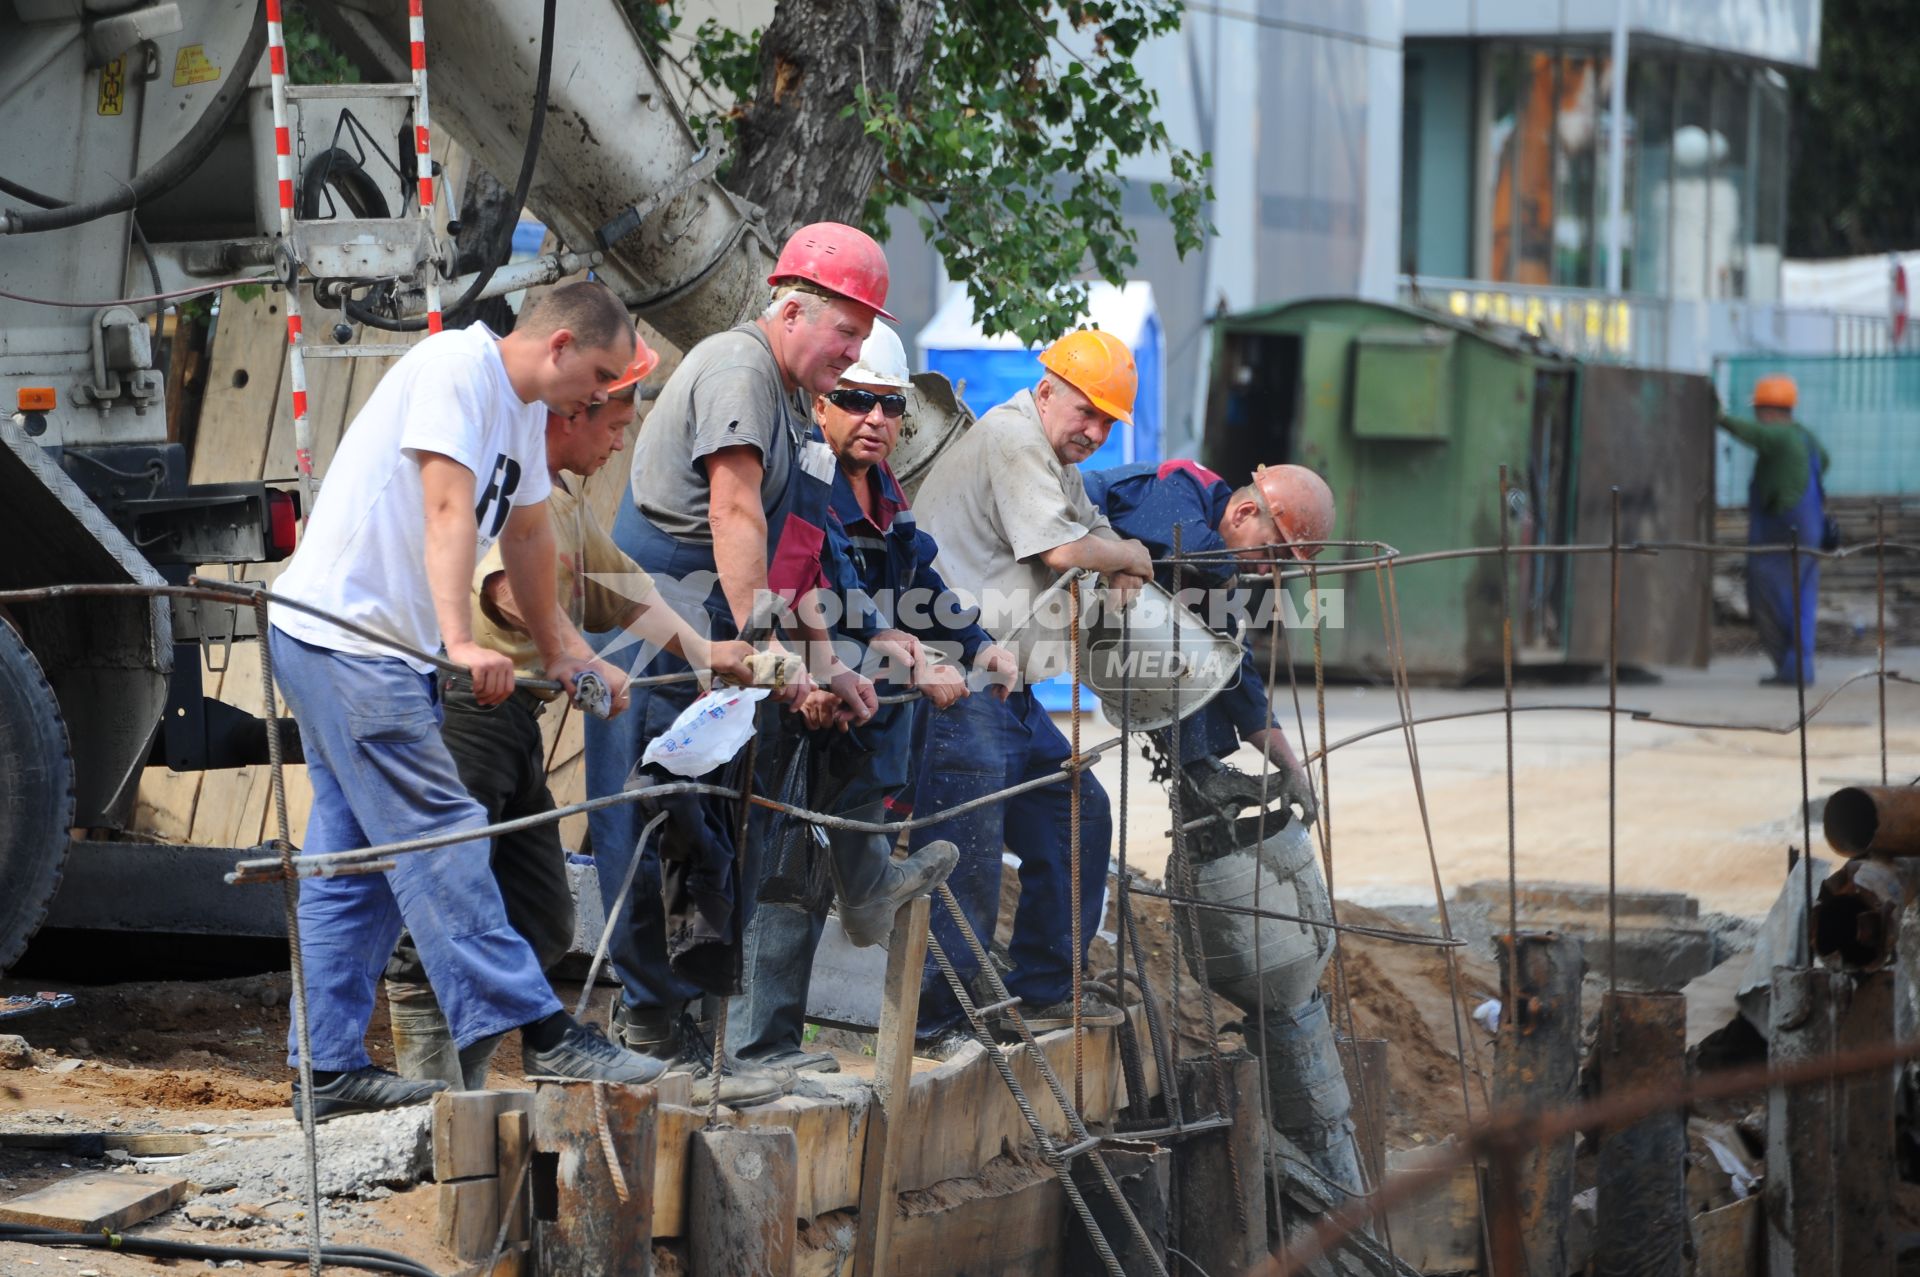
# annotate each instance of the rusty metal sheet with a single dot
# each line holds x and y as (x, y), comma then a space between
(1651, 433)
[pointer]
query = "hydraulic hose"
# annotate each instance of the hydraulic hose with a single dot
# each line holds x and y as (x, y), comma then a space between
(365, 1258)
(529, 157)
(174, 167)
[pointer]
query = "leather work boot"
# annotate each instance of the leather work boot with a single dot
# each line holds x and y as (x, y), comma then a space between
(677, 1038)
(1095, 1012)
(799, 1060)
(365, 1090)
(741, 1082)
(867, 915)
(423, 1047)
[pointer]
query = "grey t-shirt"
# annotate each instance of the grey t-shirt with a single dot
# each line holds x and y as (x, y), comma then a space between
(727, 392)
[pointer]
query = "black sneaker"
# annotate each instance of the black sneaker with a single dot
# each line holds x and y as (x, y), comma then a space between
(741, 1082)
(365, 1090)
(584, 1055)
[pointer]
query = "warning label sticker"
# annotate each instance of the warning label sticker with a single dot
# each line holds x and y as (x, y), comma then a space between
(113, 87)
(190, 66)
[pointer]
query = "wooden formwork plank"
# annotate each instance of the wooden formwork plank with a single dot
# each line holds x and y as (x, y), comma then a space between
(888, 1110)
(741, 1193)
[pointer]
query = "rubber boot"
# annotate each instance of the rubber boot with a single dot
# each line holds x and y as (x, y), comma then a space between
(423, 1047)
(871, 885)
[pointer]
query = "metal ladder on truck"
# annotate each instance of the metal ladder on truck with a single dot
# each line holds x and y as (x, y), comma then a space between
(360, 248)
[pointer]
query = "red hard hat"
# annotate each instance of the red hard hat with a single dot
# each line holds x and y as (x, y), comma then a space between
(841, 259)
(645, 360)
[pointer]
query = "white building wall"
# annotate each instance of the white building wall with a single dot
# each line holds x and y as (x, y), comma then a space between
(1780, 31)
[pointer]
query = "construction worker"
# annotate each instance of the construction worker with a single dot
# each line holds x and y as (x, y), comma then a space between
(1785, 498)
(865, 768)
(730, 491)
(1010, 513)
(499, 750)
(1285, 506)
(447, 457)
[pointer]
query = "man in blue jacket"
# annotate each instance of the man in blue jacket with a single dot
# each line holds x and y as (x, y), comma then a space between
(889, 583)
(1221, 526)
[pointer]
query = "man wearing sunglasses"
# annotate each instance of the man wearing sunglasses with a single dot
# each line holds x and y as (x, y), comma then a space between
(730, 491)
(1007, 505)
(863, 769)
(1285, 513)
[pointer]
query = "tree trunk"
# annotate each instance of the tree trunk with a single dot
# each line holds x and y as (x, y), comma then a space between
(797, 157)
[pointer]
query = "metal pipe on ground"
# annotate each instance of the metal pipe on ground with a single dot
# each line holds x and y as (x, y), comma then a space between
(1865, 820)
(1536, 1067)
(1641, 1227)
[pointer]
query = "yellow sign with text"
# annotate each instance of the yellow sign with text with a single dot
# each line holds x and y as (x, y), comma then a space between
(113, 87)
(190, 66)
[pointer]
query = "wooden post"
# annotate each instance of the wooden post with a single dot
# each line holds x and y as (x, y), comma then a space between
(514, 1129)
(1536, 1064)
(592, 1179)
(1641, 1226)
(743, 1193)
(1208, 1227)
(1863, 1123)
(1799, 1193)
(892, 1071)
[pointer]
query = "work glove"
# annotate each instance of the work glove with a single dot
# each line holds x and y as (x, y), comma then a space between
(1296, 790)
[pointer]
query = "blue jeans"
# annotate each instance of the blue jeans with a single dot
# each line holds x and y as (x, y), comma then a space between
(381, 773)
(978, 746)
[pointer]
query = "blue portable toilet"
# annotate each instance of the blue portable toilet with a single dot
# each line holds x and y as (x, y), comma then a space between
(987, 371)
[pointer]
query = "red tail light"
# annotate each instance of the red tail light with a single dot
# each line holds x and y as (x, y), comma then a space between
(283, 520)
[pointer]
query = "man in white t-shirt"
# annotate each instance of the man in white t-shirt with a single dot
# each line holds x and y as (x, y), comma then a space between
(447, 457)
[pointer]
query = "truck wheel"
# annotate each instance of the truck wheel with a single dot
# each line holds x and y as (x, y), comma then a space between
(36, 798)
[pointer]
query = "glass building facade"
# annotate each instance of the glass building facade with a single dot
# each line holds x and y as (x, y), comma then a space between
(1504, 168)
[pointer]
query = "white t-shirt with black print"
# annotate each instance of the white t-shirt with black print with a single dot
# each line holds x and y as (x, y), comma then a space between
(363, 556)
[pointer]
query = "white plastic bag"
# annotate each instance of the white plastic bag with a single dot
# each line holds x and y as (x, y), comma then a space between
(708, 732)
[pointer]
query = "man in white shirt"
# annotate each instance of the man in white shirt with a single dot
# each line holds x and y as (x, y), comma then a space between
(447, 457)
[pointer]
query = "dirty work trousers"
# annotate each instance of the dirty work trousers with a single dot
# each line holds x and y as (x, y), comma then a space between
(978, 746)
(381, 773)
(502, 764)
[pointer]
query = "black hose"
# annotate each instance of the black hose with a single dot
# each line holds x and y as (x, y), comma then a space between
(529, 157)
(174, 167)
(365, 1258)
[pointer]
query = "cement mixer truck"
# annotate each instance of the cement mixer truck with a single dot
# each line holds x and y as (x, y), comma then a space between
(173, 110)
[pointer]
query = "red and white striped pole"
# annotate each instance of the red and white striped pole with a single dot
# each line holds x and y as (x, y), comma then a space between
(417, 55)
(283, 162)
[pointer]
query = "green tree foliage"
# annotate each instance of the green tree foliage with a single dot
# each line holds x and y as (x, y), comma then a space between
(1856, 179)
(1009, 147)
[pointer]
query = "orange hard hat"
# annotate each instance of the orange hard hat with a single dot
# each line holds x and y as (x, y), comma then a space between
(645, 360)
(1300, 504)
(841, 259)
(1099, 366)
(1775, 390)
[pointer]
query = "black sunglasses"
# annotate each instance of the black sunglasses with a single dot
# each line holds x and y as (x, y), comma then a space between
(861, 402)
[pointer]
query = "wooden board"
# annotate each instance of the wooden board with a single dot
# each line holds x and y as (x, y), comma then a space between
(832, 1132)
(466, 1130)
(888, 1111)
(95, 1201)
(468, 1217)
(740, 1203)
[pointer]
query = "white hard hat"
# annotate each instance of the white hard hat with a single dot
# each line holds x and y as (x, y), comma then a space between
(883, 360)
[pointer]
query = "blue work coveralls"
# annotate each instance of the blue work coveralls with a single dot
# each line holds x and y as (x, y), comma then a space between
(687, 912)
(1146, 501)
(886, 579)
